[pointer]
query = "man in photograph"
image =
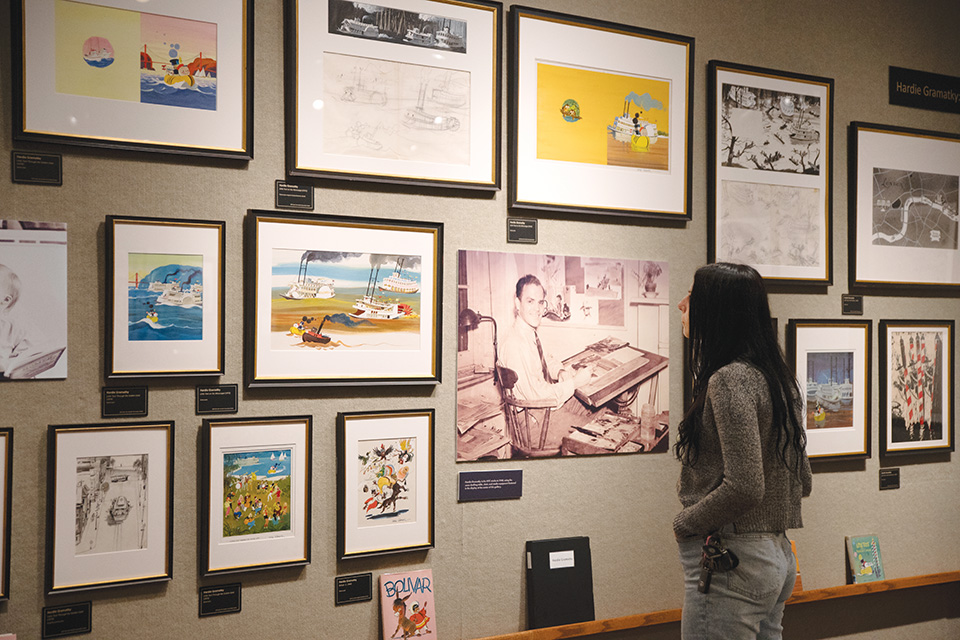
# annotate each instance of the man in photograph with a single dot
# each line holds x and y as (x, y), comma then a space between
(539, 375)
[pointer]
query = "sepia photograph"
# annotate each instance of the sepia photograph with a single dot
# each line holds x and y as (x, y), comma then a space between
(561, 356)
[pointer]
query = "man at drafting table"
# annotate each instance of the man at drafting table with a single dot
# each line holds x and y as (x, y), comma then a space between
(539, 376)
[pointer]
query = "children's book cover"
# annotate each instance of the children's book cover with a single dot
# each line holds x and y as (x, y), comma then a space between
(407, 605)
(863, 554)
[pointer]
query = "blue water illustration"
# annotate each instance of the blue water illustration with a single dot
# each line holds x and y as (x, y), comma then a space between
(172, 322)
(259, 462)
(100, 63)
(202, 95)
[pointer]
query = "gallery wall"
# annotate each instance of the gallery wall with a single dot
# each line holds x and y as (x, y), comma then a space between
(624, 503)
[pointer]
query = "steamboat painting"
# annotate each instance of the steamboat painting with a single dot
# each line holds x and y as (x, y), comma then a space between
(914, 209)
(916, 388)
(830, 392)
(387, 482)
(111, 504)
(602, 117)
(117, 54)
(326, 300)
(770, 130)
(164, 297)
(256, 490)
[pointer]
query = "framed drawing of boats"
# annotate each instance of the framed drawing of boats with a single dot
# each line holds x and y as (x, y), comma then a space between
(770, 171)
(342, 301)
(831, 359)
(164, 295)
(403, 92)
(385, 483)
(109, 505)
(916, 386)
(904, 227)
(256, 492)
(175, 78)
(601, 117)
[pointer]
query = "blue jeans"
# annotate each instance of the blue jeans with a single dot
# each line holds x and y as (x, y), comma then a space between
(746, 603)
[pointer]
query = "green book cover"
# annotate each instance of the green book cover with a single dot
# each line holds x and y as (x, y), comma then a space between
(863, 553)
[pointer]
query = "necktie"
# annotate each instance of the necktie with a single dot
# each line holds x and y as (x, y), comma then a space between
(543, 361)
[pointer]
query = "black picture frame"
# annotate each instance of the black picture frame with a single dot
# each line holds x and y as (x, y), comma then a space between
(371, 449)
(247, 437)
(628, 186)
(149, 357)
(230, 132)
(792, 169)
(80, 456)
(327, 351)
(379, 100)
(903, 368)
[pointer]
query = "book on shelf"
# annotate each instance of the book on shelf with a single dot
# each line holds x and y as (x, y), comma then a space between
(559, 582)
(407, 604)
(863, 558)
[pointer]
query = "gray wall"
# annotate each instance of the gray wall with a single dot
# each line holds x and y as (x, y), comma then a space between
(624, 504)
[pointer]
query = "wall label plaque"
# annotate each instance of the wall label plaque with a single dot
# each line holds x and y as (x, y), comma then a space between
(924, 90)
(67, 620)
(294, 196)
(119, 402)
(37, 168)
(355, 588)
(220, 599)
(499, 484)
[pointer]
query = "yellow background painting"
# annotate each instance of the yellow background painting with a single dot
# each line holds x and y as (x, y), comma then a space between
(75, 22)
(600, 96)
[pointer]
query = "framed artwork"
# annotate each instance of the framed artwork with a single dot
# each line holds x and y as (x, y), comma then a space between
(256, 485)
(770, 172)
(177, 78)
(903, 208)
(561, 355)
(33, 300)
(600, 116)
(342, 301)
(384, 482)
(916, 386)
(6, 500)
(831, 359)
(165, 297)
(407, 92)
(114, 484)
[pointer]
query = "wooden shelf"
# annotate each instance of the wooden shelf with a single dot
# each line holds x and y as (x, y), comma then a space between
(594, 627)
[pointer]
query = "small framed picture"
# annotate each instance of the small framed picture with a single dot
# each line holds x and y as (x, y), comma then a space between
(384, 482)
(916, 386)
(256, 486)
(770, 173)
(904, 230)
(6, 495)
(109, 505)
(175, 78)
(831, 359)
(402, 92)
(164, 297)
(601, 117)
(342, 301)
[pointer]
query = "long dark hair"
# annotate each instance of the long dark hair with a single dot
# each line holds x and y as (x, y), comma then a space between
(729, 320)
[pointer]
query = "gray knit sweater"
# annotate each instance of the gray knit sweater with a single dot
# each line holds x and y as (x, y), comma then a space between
(739, 477)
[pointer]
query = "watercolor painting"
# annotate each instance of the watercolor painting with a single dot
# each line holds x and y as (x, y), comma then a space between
(392, 110)
(769, 224)
(178, 62)
(383, 24)
(770, 130)
(829, 389)
(111, 504)
(917, 371)
(387, 481)
(164, 297)
(914, 209)
(602, 117)
(256, 490)
(324, 300)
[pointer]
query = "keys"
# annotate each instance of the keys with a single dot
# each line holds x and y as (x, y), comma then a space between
(715, 558)
(703, 586)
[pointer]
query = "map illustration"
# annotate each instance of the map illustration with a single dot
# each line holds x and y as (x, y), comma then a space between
(914, 209)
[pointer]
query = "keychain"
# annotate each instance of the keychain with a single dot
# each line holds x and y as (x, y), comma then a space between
(715, 558)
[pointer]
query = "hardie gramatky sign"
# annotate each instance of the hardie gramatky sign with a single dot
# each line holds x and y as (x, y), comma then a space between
(924, 90)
